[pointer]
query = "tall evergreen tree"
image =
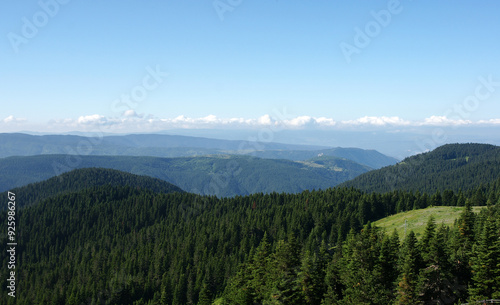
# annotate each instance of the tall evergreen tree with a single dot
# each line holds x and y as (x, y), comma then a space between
(486, 263)
(284, 268)
(410, 269)
(466, 228)
(259, 272)
(388, 263)
(334, 286)
(362, 273)
(238, 291)
(434, 283)
(425, 241)
(308, 280)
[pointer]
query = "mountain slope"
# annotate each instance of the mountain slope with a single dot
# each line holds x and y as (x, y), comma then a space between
(451, 166)
(80, 179)
(220, 175)
(371, 158)
(124, 245)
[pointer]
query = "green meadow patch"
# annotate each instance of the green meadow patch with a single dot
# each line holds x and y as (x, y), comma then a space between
(416, 220)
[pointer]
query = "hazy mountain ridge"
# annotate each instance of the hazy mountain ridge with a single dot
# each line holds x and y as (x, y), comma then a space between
(170, 146)
(221, 175)
(18, 144)
(371, 158)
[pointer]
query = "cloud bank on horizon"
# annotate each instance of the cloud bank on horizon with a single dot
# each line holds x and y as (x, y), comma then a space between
(133, 122)
(130, 66)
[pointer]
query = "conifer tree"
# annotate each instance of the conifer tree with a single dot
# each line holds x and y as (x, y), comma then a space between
(333, 283)
(466, 228)
(307, 279)
(425, 242)
(437, 199)
(434, 285)
(259, 272)
(410, 268)
(283, 283)
(205, 297)
(361, 269)
(238, 291)
(388, 262)
(486, 263)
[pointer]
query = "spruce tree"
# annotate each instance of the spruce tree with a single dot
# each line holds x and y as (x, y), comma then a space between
(435, 280)
(466, 228)
(411, 263)
(486, 263)
(425, 242)
(334, 286)
(362, 273)
(259, 272)
(283, 284)
(307, 279)
(238, 291)
(388, 262)
(205, 297)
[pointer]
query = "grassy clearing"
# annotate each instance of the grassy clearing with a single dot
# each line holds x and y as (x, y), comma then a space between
(417, 219)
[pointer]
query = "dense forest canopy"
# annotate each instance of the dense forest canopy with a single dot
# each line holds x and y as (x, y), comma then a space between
(119, 244)
(83, 178)
(448, 167)
(221, 175)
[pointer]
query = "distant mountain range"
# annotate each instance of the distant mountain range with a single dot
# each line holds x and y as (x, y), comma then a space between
(196, 164)
(103, 236)
(18, 144)
(221, 175)
(452, 166)
(170, 146)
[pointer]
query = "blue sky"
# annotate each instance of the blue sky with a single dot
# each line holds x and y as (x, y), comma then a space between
(240, 64)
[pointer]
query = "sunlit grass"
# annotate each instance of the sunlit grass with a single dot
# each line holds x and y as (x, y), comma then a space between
(417, 219)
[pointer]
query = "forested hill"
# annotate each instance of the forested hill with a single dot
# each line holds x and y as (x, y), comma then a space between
(371, 158)
(127, 245)
(221, 175)
(451, 166)
(80, 179)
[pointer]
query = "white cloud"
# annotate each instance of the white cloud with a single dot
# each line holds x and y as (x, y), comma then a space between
(210, 119)
(130, 121)
(325, 121)
(12, 119)
(490, 121)
(378, 121)
(443, 121)
(265, 120)
(299, 121)
(92, 119)
(130, 113)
